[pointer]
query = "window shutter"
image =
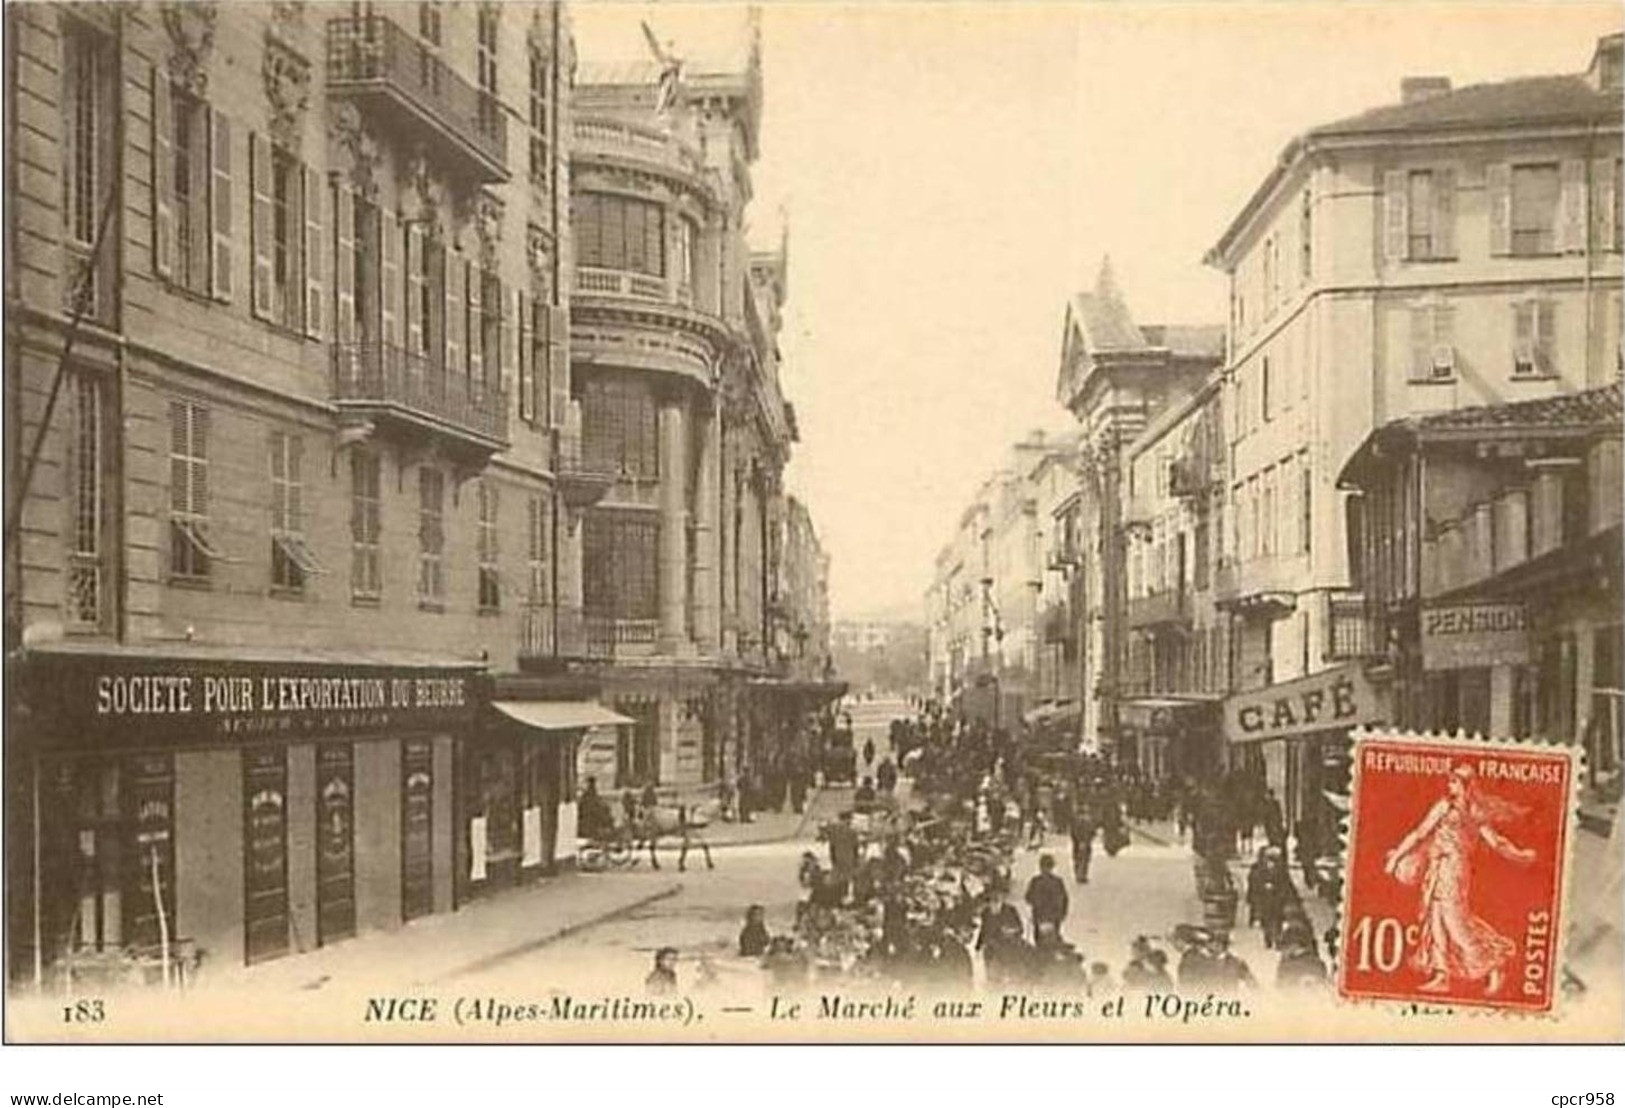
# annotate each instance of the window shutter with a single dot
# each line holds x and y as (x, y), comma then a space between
(315, 255)
(1571, 233)
(558, 365)
(389, 236)
(1604, 203)
(1444, 213)
(259, 171)
(512, 305)
(1395, 223)
(198, 420)
(415, 342)
(1499, 180)
(343, 264)
(1523, 333)
(456, 309)
(1421, 344)
(163, 176)
(180, 469)
(476, 323)
(221, 258)
(1443, 356)
(1546, 336)
(527, 365)
(279, 478)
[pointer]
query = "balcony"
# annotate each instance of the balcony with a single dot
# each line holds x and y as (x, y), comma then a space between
(1164, 608)
(592, 281)
(1258, 588)
(409, 393)
(581, 482)
(620, 141)
(417, 95)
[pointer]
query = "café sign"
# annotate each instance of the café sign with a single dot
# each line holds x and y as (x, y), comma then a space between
(169, 702)
(1337, 699)
(1463, 636)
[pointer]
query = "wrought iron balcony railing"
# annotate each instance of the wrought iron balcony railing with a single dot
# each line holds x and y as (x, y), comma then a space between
(384, 377)
(372, 57)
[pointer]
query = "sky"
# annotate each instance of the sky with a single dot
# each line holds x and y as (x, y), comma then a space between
(952, 172)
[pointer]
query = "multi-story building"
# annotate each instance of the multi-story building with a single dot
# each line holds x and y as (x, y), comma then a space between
(1175, 664)
(683, 428)
(987, 609)
(1115, 377)
(1458, 248)
(804, 642)
(285, 367)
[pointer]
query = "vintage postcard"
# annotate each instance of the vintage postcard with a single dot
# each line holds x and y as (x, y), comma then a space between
(544, 521)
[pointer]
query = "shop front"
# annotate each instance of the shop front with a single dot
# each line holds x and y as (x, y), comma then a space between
(1296, 734)
(170, 809)
(1171, 737)
(517, 802)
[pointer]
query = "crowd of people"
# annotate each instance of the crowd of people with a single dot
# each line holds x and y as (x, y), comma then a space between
(908, 895)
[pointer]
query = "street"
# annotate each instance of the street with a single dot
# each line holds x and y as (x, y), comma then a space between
(1146, 889)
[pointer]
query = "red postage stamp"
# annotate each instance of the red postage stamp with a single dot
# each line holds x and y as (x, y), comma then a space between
(1457, 862)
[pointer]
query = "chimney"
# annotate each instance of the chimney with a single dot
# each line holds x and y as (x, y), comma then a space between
(1414, 90)
(1606, 63)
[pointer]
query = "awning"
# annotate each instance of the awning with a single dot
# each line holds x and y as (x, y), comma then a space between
(559, 715)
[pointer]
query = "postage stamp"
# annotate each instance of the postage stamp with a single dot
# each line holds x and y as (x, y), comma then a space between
(1457, 871)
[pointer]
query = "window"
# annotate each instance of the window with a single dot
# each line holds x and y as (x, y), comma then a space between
(618, 427)
(1264, 390)
(191, 553)
(429, 12)
(1306, 238)
(1433, 341)
(485, 58)
(1535, 194)
(536, 548)
(1534, 335)
(1419, 205)
(431, 536)
(88, 74)
(683, 262)
(288, 242)
(189, 139)
(291, 560)
(490, 584)
(541, 118)
(366, 511)
(1267, 514)
(619, 232)
(87, 505)
(1269, 274)
(620, 564)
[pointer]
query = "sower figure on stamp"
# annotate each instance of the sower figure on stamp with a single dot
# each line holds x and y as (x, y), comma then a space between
(1438, 852)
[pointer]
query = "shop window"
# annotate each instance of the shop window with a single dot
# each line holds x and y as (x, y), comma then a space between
(335, 842)
(265, 853)
(417, 828)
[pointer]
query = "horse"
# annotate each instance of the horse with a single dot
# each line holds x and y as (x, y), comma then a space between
(684, 822)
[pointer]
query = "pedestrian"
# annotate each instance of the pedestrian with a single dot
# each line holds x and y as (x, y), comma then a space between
(1300, 966)
(845, 850)
(1269, 888)
(1228, 973)
(1083, 841)
(1101, 985)
(868, 753)
(753, 937)
(650, 800)
(863, 799)
(1195, 972)
(1273, 819)
(886, 776)
(1147, 970)
(745, 797)
(1047, 900)
(1004, 952)
(593, 817)
(662, 980)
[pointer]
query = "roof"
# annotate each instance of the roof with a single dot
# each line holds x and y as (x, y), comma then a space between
(1590, 411)
(1187, 340)
(1593, 408)
(1564, 98)
(1567, 98)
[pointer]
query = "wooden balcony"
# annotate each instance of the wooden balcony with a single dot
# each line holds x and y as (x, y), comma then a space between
(1164, 608)
(416, 94)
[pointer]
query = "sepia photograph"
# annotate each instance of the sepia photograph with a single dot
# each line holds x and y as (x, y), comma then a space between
(586, 522)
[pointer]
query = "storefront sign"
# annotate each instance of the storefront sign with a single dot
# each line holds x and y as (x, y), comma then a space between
(1463, 636)
(173, 702)
(1336, 699)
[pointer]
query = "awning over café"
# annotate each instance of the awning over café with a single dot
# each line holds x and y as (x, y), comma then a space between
(559, 715)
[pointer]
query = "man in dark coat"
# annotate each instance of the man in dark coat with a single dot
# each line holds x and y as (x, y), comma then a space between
(1000, 941)
(1084, 823)
(1047, 901)
(844, 851)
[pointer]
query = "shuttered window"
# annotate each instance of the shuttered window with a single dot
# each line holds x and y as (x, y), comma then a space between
(86, 544)
(191, 549)
(292, 561)
(536, 521)
(1534, 338)
(1536, 190)
(431, 535)
(366, 525)
(541, 109)
(289, 275)
(490, 582)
